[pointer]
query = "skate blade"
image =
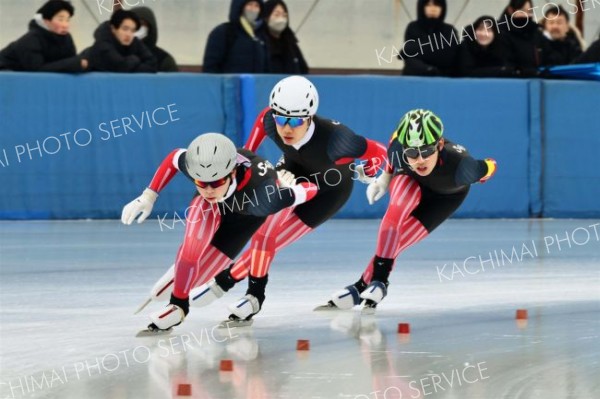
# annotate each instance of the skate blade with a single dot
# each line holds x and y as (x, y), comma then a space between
(327, 308)
(367, 310)
(236, 323)
(153, 333)
(143, 305)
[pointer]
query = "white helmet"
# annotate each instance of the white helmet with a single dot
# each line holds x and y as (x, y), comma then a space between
(210, 157)
(294, 96)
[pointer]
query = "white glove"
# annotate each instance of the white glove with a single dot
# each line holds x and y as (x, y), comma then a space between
(378, 187)
(142, 204)
(362, 176)
(286, 178)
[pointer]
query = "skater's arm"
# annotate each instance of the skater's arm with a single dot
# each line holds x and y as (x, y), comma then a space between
(345, 146)
(167, 170)
(274, 197)
(375, 155)
(258, 134)
(471, 170)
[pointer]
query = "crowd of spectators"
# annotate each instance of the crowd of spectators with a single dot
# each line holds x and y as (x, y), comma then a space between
(257, 38)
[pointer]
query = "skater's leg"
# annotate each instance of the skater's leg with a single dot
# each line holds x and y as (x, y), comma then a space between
(412, 232)
(398, 228)
(279, 231)
(189, 265)
(204, 222)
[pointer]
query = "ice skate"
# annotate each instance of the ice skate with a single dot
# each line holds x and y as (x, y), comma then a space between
(205, 294)
(242, 312)
(343, 299)
(372, 296)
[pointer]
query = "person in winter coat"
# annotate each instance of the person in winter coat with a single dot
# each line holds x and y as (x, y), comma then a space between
(430, 45)
(482, 53)
(48, 46)
(526, 45)
(591, 55)
(561, 38)
(148, 34)
(117, 49)
(236, 46)
(285, 56)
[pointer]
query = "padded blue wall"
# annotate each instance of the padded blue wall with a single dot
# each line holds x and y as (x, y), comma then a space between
(525, 125)
(571, 146)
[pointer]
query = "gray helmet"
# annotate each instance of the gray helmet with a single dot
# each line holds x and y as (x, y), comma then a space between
(210, 157)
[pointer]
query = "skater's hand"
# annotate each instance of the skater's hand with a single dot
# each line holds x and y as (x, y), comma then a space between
(362, 176)
(286, 178)
(142, 204)
(378, 187)
(491, 164)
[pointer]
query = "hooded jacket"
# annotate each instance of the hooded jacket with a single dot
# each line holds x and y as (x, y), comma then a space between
(431, 45)
(478, 61)
(232, 49)
(41, 50)
(165, 61)
(108, 55)
(284, 53)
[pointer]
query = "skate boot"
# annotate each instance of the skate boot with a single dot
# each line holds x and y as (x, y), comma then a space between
(164, 320)
(377, 289)
(345, 298)
(209, 292)
(246, 307)
(372, 295)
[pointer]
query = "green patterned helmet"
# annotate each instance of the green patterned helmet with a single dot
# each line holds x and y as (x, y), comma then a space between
(419, 127)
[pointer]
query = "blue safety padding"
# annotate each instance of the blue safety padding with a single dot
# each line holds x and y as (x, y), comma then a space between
(572, 140)
(97, 179)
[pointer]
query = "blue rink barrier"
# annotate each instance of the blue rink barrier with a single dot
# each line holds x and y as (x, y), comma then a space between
(83, 146)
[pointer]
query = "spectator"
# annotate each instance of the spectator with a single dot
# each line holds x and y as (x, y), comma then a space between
(235, 46)
(285, 56)
(482, 53)
(117, 49)
(526, 45)
(561, 38)
(431, 45)
(48, 45)
(148, 34)
(591, 55)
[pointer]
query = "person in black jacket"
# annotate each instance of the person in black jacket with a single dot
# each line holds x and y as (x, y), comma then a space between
(48, 45)
(591, 55)
(285, 56)
(236, 46)
(148, 33)
(526, 45)
(482, 53)
(430, 45)
(560, 36)
(117, 49)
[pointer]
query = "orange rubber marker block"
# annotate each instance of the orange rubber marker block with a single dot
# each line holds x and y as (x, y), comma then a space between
(403, 328)
(303, 345)
(521, 314)
(226, 365)
(184, 390)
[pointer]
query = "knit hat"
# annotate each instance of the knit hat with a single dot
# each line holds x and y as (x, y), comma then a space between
(53, 7)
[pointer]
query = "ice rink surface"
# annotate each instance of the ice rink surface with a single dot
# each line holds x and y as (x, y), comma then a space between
(68, 290)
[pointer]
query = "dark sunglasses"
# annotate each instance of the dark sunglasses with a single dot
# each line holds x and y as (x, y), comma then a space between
(213, 184)
(425, 151)
(293, 121)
